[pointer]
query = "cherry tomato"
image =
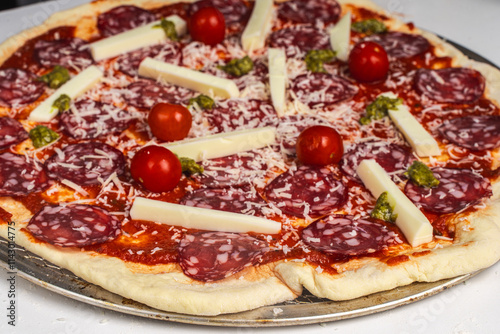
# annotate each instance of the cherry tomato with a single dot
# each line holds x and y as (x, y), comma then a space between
(319, 145)
(368, 62)
(207, 25)
(156, 168)
(169, 122)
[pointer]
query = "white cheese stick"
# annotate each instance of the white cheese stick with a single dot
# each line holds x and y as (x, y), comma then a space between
(223, 144)
(340, 37)
(188, 78)
(77, 86)
(411, 221)
(277, 79)
(254, 35)
(421, 141)
(135, 39)
(200, 218)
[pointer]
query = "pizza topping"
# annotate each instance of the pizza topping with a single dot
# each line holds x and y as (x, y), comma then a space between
(56, 78)
(20, 177)
(70, 53)
(238, 67)
(401, 45)
(86, 163)
(383, 210)
(203, 101)
(129, 62)
(421, 175)
(207, 25)
(144, 94)
(11, 132)
(212, 256)
(368, 62)
(344, 235)
(296, 41)
(169, 29)
(235, 12)
(379, 108)
(450, 85)
(319, 145)
(316, 58)
(42, 136)
(190, 167)
(74, 225)
(340, 37)
(61, 104)
(318, 90)
(299, 11)
(457, 189)
(123, 18)
(473, 132)
(369, 27)
(307, 192)
(18, 87)
(88, 119)
(170, 122)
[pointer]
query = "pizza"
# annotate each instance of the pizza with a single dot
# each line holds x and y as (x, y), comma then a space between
(222, 155)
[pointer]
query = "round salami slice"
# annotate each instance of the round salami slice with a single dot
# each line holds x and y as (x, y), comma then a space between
(450, 85)
(401, 45)
(74, 225)
(11, 132)
(86, 163)
(296, 41)
(70, 53)
(89, 119)
(235, 12)
(144, 94)
(322, 89)
(346, 236)
(18, 87)
(473, 132)
(307, 192)
(300, 11)
(212, 256)
(123, 18)
(394, 159)
(457, 189)
(129, 62)
(20, 177)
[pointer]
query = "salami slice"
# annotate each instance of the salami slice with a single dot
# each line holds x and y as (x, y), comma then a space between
(237, 114)
(450, 85)
(20, 177)
(74, 225)
(70, 53)
(129, 62)
(18, 87)
(322, 89)
(144, 94)
(346, 236)
(401, 45)
(11, 132)
(300, 11)
(235, 12)
(296, 41)
(123, 18)
(394, 159)
(307, 192)
(89, 119)
(457, 189)
(86, 163)
(473, 132)
(212, 256)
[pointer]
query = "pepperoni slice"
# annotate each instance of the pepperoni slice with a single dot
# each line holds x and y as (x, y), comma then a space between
(129, 62)
(344, 235)
(89, 119)
(212, 256)
(144, 94)
(11, 132)
(18, 87)
(86, 163)
(401, 45)
(70, 53)
(394, 159)
(457, 189)
(300, 11)
(74, 225)
(450, 85)
(299, 39)
(230, 115)
(20, 177)
(322, 89)
(473, 132)
(307, 192)
(235, 12)
(290, 128)
(123, 18)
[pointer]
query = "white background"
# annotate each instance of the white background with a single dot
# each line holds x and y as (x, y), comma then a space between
(471, 307)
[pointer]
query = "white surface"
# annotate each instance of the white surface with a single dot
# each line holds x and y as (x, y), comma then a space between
(471, 307)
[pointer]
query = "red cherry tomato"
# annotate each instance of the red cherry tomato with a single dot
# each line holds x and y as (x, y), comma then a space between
(319, 145)
(368, 62)
(156, 168)
(207, 25)
(169, 122)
